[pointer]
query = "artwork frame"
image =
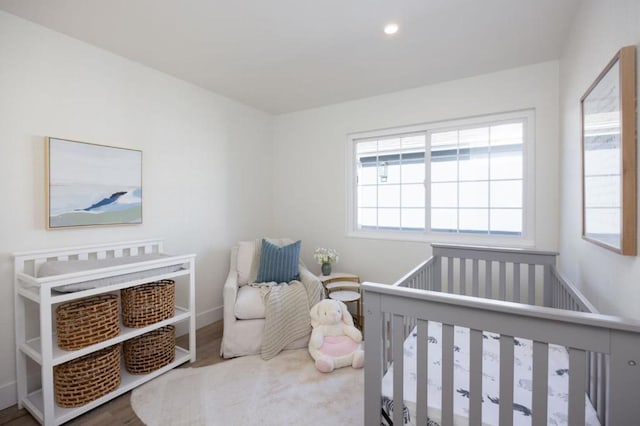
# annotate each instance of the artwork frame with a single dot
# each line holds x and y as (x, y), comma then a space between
(608, 112)
(91, 185)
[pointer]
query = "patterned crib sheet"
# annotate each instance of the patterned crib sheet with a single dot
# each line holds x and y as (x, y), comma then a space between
(523, 384)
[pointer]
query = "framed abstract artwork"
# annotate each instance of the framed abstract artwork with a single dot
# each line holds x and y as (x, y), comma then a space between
(609, 156)
(92, 185)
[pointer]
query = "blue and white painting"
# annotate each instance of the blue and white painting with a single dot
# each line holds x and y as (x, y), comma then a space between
(93, 184)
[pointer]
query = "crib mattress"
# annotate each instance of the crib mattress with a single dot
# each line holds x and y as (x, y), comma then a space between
(523, 350)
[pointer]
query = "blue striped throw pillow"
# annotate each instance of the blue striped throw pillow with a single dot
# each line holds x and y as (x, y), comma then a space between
(279, 264)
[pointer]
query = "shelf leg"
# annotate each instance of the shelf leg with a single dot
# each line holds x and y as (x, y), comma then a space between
(21, 338)
(192, 311)
(46, 340)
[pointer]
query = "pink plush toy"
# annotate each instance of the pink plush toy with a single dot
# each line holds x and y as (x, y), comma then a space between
(334, 342)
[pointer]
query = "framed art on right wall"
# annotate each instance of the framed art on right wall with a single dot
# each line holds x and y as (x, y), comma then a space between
(609, 156)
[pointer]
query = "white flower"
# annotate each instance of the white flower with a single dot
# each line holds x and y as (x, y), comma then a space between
(323, 255)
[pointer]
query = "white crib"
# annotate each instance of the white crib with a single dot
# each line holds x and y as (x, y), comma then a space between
(510, 294)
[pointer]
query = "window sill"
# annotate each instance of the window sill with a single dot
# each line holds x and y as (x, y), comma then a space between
(494, 241)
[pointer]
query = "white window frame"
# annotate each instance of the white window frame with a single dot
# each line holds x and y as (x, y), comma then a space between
(527, 239)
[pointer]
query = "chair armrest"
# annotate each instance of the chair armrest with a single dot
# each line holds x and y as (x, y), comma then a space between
(230, 293)
(306, 276)
(310, 279)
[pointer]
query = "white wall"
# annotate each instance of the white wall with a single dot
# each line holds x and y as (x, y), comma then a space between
(600, 29)
(310, 148)
(206, 172)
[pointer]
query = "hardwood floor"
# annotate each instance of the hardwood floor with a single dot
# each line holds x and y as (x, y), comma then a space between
(118, 411)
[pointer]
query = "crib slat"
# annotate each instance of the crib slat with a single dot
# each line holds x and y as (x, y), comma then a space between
(437, 274)
(577, 369)
(601, 404)
(540, 375)
(385, 339)
(531, 283)
(475, 377)
(435, 278)
(118, 252)
(101, 254)
(449, 275)
(546, 286)
(503, 281)
(447, 374)
(474, 277)
(424, 274)
(488, 281)
(559, 297)
(506, 380)
(423, 362)
(516, 282)
(591, 377)
(397, 331)
(463, 276)
(426, 277)
(559, 301)
(432, 275)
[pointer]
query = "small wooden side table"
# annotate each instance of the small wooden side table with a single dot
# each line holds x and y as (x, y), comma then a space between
(345, 287)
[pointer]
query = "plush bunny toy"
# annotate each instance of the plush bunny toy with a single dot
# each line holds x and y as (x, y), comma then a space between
(334, 342)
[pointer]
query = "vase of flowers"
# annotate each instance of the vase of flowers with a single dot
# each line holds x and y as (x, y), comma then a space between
(326, 269)
(325, 257)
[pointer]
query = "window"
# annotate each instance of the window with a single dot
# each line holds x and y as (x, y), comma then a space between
(390, 183)
(459, 180)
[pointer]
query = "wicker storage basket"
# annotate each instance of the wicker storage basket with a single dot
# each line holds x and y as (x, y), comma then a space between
(87, 321)
(153, 350)
(148, 303)
(87, 378)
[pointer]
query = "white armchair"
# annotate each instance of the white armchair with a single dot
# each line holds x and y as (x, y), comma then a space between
(244, 305)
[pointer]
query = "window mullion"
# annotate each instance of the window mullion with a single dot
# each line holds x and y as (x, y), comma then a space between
(400, 182)
(427, 182)
(458, 182)
(489, 157)
(377, 185)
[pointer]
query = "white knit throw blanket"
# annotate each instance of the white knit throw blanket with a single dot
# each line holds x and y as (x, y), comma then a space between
(287, 315)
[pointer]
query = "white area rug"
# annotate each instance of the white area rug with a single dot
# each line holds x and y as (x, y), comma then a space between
(286, 390)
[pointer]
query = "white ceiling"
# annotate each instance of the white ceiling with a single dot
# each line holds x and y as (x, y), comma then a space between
(287, 55)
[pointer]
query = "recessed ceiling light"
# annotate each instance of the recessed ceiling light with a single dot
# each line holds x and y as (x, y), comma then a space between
(391, 28)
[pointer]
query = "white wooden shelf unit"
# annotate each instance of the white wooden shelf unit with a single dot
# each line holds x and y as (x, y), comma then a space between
(43, 349)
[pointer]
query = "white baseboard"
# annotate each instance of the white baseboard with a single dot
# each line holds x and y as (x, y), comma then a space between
(202, 319)
(209, 316)
(8, 395)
